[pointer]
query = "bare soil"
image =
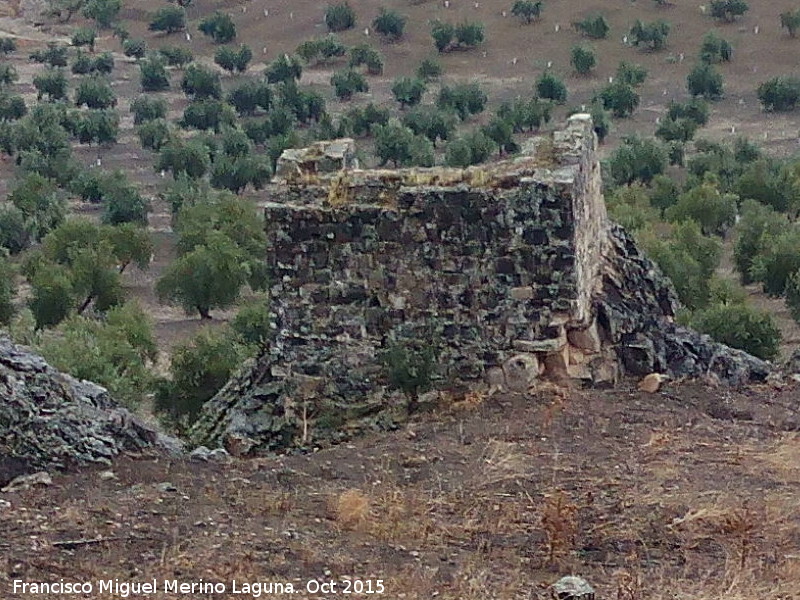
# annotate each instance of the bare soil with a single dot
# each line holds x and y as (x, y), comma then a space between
(687, 493)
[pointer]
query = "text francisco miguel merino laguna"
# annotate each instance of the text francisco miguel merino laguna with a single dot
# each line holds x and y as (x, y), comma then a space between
(127, 589)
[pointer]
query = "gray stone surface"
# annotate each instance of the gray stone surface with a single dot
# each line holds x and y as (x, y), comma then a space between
(485, 263)
(572, 588)
(51, 420)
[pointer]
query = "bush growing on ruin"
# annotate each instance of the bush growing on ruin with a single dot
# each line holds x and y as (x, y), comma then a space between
(169, 19)
(704, 80)
(153, 75)
(408, 91)
(219, 27)
(550, 87)
(8, 288)
(410, 368)
(252, 323)
(84, 36)
(390, 24)
(340, 17)
(198, 370)
(740, 326)
(527, 10)
(134, 48)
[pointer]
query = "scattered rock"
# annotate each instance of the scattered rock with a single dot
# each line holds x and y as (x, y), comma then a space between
(202, 453)
(166, 487)
(25, 482)
(652, 383)
(572, 588)
(107, 475)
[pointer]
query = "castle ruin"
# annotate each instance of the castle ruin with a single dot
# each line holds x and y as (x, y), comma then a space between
(516, 258)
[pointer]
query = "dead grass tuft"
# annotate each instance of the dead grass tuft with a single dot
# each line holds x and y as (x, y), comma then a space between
(351, 508)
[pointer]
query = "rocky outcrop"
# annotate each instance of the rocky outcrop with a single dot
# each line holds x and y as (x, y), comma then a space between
(321, 157)
(51, 420)
(487, 264)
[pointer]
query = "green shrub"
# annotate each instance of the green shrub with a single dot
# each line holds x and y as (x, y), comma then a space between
(714, 49)
(740, 326)
(630, 206)
(346, 83)
(104, 12)
(115, 352)
(464, 99)
(758, 225)
(219, 27)
(429, 69)
(550, 87)
(198, 370)
(652, 36)
(389, 24)
(134, 48)
(153, 75)
(84, 36)
(779, 258)
(790, 20)
(284, 68)
(620, 98)
(175, 56)
(95, 92)
(169, 19)
(779, 94)
(704, 80)
(410, 368)
(364, 54)
(595, 27)
(631, 74)
(714, 211)
(253, 324)
(146, 108)
(8, 290)
(339, 17)
(527, 10)
(637, 159)
(408, 91)
(728, 10)
(153, 134)
(583, 59)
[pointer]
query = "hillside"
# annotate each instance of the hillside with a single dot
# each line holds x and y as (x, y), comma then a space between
(686, 493)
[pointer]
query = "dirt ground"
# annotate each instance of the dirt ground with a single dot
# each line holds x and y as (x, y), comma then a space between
(690, 493)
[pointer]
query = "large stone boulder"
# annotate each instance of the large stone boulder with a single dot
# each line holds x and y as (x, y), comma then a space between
(51, 420)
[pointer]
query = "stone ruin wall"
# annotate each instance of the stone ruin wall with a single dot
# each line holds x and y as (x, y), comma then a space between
(515, 261)
(495, 270)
